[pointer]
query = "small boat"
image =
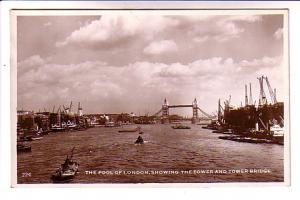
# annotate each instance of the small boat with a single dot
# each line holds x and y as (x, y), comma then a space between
(24, 138)
(217, 131)
(71, 125)
(228, 132)
(67, 170)
(110, 124)
(23, 148)
(277, 131)
(29, 138)
(37, 137)
(58, 128)
(139, 140)
(181, 127)
(94, 123)
(128, 130)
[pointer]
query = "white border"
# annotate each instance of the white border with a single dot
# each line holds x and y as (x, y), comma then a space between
(15, 13)
(269, 192)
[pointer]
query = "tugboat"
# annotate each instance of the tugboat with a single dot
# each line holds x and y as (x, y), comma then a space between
(139, 140)
(277, 133)
(67, 170)
(38, 135)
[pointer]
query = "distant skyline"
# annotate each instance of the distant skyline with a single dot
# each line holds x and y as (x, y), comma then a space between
(130, 63)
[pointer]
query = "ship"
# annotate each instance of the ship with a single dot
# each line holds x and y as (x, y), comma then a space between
(181, 127)
(58, 127)
(67, 170)
(261, 123)
(71, 125)
(110, 124)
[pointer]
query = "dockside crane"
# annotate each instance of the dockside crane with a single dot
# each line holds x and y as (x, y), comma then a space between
(227, 102)
(264, 125)
(70, 108)
(220, 112)
(58, 110)
(262, 95)
(272, 93)
(65, 109)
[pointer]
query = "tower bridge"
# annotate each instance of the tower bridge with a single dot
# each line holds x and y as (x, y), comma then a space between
(195, 108)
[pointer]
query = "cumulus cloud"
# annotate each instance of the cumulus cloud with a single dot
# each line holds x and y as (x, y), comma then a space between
(160, 47)
(115, 28)
(201, 39)
(111, 30)
(133, 86)
(201, 57)
(245, 18)
(278, 33)
(219, 28)
(217, 66)
(31, 63)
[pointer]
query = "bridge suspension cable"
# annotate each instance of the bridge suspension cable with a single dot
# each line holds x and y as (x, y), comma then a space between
(157, 112)
(206, 114)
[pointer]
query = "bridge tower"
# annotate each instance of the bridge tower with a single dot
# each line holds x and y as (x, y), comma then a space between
(165, 112)
(195, 118)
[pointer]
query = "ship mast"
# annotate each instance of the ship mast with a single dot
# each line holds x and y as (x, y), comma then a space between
(246, 96)
(250, 98)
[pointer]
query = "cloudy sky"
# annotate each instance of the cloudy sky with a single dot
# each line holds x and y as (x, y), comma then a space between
(130, 63)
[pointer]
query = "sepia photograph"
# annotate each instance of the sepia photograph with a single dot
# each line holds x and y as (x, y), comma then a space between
(150, 96)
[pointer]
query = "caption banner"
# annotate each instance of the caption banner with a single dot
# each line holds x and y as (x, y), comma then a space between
(178, 172)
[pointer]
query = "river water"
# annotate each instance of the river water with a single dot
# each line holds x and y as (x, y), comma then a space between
(193, 155)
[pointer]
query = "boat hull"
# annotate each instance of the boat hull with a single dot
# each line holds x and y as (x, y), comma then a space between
(23, 149)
